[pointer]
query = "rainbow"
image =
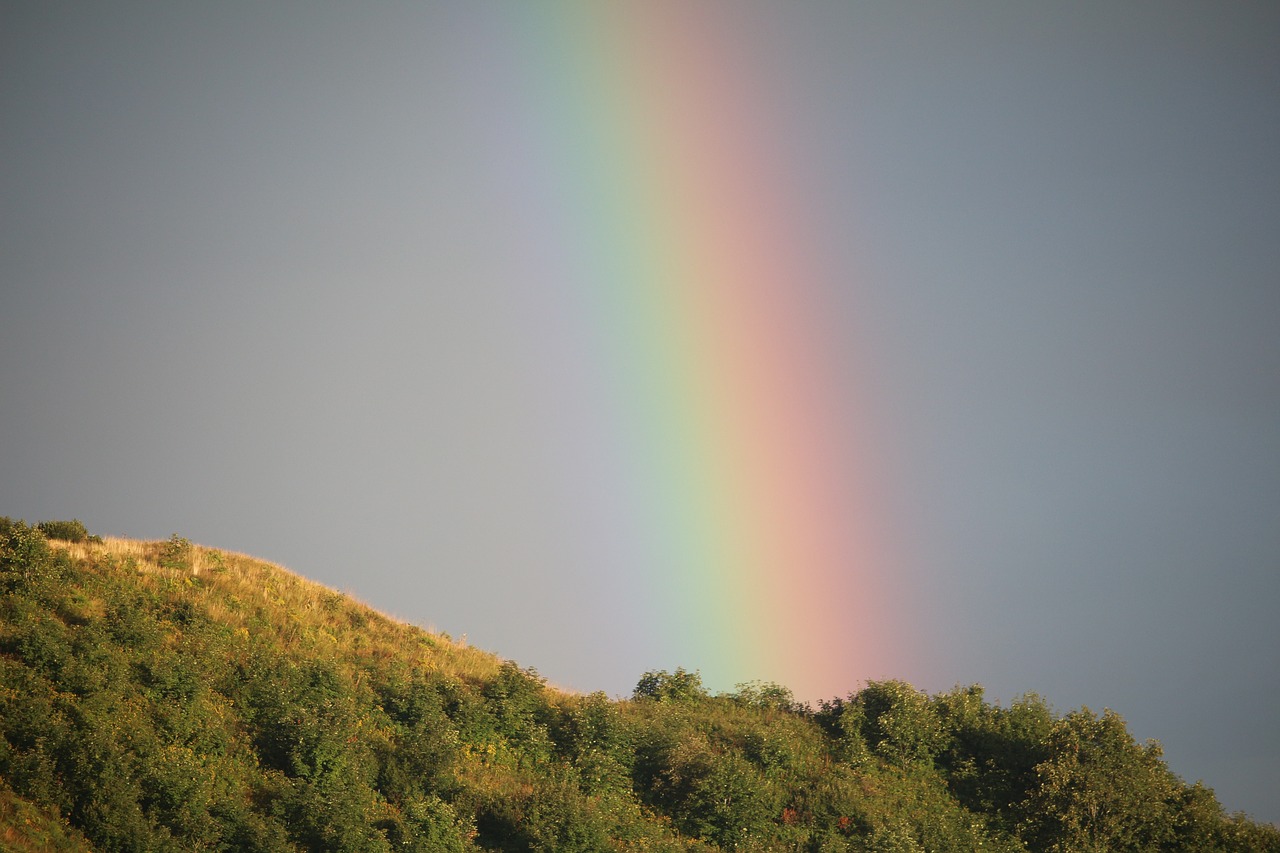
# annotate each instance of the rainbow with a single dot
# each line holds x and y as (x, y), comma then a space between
(744, 475)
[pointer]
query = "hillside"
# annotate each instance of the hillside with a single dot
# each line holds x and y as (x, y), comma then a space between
(167, 696)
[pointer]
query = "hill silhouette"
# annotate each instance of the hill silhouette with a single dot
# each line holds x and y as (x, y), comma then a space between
(167, 696)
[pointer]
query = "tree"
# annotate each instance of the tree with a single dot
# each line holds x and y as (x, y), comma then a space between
(1099, 790)
(899, 722)
(991, 753)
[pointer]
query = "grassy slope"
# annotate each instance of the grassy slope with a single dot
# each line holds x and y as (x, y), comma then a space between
(162, 695)
(297, 615)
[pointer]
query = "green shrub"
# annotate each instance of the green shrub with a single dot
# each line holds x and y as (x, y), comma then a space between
(517, 701)
(715, 795)
(27, 562)
(899, 722)
(767, 694)
(176, 553)
(680, 686)
(68, 531)
(551, 817)
(431, 825)
(590, 734)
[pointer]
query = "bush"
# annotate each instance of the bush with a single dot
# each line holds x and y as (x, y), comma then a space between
(899, 722)
(714, 794)
(680, 686)
(26, 560)
(176, 553)
(550, 817)
(68, 531)
(433, 825)
(766, 695)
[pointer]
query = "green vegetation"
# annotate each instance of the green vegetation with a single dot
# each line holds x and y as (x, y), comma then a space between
(165, 696)
(69, 531)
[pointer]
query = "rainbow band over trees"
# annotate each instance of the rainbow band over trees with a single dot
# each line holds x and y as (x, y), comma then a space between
(748, 476)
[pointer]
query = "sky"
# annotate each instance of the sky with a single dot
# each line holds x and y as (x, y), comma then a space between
(810, 343)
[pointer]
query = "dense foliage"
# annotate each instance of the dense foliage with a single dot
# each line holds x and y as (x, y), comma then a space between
(163, 696)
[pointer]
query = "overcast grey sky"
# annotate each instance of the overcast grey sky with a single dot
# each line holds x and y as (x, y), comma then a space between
(265, 282)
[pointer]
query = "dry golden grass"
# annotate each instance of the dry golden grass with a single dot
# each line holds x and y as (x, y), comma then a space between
(259, 597)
